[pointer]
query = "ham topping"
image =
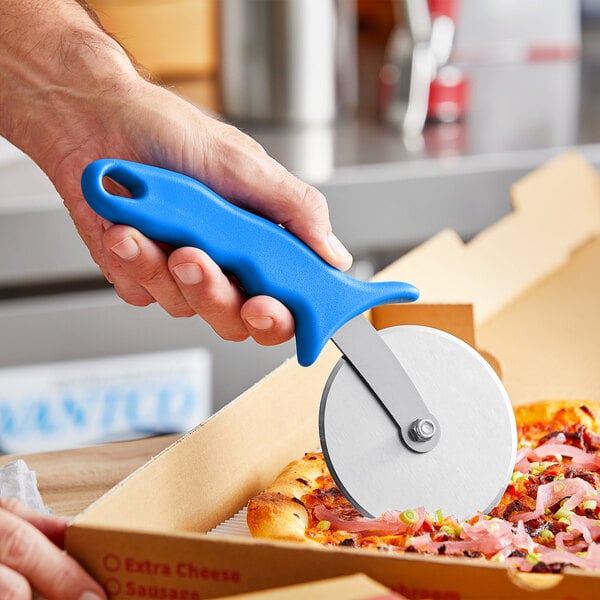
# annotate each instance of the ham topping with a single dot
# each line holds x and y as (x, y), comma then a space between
(577, 490)
(389, 523)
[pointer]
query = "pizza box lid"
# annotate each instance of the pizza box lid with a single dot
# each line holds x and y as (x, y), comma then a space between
(531, 283)
(351, 587)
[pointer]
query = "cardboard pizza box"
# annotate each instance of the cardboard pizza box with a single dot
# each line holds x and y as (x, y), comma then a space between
(352, 587)
(532, 281)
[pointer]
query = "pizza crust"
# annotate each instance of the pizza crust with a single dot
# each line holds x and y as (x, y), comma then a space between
(276, 516)
(278, 513)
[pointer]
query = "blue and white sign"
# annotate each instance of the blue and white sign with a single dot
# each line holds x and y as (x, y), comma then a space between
(68, 404)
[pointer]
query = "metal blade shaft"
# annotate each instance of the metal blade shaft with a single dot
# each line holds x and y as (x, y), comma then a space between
(379, 368)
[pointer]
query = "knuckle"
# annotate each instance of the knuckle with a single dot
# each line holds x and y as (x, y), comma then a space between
(106, 272)
(10, 503)
(271, 340)
(137, 300)
(149, 274)
(67, 578)
(233, 335)
(233, 136)
(313, 200)
(180, 311)
(16, 546)
(134, 297)
(14, 587)
(226, 324)
(304, 206)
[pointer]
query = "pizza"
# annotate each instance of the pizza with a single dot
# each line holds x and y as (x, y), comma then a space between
(548, 517)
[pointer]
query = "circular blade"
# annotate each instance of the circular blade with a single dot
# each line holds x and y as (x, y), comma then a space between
(471, 465)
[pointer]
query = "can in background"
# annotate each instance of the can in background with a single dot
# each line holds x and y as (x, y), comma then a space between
(278, 60)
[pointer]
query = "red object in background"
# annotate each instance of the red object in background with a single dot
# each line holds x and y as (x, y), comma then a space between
(449, 91)
(448, 95)
(448, 8)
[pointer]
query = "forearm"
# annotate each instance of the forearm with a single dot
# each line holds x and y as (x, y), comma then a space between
(52, 54)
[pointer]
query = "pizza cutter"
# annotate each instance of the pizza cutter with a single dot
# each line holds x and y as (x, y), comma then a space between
(410, 416)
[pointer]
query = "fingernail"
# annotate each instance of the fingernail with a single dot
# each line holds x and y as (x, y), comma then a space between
(126, 249)
(188, 273)
(90, 596)
(338, 248)
(261, 323)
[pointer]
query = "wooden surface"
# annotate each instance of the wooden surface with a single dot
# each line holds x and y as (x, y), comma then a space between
(70, 480)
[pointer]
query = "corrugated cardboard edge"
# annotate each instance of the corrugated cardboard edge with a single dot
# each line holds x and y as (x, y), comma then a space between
(556, 210)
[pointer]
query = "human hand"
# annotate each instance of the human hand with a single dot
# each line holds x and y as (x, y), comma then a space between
(105, 109)
(31, 557)
(186, 281)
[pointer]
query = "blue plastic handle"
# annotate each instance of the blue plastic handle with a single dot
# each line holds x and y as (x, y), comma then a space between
(266, 259)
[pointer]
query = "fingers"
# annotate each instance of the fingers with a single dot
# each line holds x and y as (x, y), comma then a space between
(188, 282)
(13, 584)
(303, 211)
(53, 527)
(240, 170)
(209, 292)
(268, 321)
(220, 302)
(138, 269)
(29, 558)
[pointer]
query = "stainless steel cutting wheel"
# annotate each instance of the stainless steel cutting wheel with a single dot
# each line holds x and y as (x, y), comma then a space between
(470, 466)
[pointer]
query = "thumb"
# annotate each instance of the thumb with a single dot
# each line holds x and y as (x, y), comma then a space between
(245, 174)
(304, 212)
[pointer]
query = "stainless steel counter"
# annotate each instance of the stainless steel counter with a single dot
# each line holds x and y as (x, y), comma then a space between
(514, 107)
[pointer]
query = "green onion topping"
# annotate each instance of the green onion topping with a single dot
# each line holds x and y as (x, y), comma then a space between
(546, 535)
(410, 517)
(563, 513)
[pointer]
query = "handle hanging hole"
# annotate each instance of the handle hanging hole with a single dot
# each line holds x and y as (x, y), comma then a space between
(119, 180)
(114, 188)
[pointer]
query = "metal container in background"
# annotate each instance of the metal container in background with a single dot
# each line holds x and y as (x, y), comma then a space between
(278, 60)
